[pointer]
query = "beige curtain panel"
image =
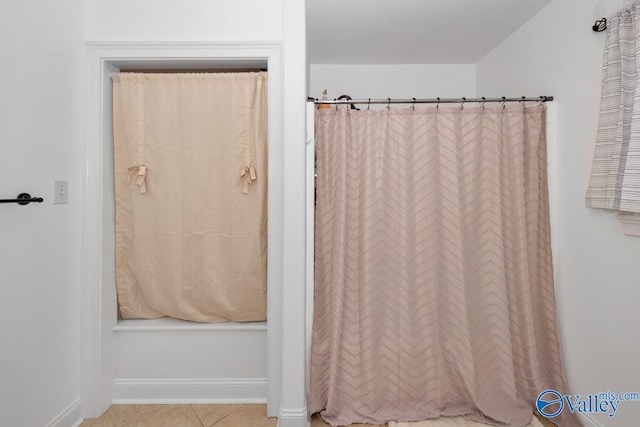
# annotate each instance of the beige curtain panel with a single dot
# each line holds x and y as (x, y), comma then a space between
(434, 284)
(615, 174)
(191, 195)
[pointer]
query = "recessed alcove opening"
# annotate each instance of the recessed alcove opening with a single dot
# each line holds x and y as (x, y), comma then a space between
(173, 66)
(169, 360)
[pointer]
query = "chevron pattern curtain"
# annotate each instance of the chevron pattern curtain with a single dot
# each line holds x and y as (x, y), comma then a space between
(615, 174)
(434, 286)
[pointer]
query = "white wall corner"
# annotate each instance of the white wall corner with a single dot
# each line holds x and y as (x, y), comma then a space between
(293, 418)
(70, 416)
(630, 223)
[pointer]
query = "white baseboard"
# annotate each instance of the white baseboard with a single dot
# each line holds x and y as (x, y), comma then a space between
(293, 418)
(588, 421)
(187, 391)
(71, 416)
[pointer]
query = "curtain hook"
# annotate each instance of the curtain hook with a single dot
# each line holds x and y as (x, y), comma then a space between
(522, 100)
(482, 103)
(600, 25)
(317, 103)
(541, 100)
(369, 104)
(336, 102)
(438, 104)
(504, 102)
(462, 104)
(413, 107)
(388, 103)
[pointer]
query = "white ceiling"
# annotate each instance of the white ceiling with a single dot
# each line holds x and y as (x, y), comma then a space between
(411, 31)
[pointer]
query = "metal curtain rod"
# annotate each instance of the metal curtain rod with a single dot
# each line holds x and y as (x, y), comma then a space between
(389, 101)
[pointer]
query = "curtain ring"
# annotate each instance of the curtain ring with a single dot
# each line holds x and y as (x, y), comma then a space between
(336, 101)
(438, 104)
(317, 103)
(541, 100)
(388, 103)
(347, 100)
(369, 104)
(462, 104)
(504, 102)
(413, 107)
(522, 100)
(482, 102)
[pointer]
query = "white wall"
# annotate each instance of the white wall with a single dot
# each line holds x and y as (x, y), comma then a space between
(393, 81)
(40, 127)
(231, 20)
(42, 118)
(193, 20)
(598, 273)
(293, 412)
(202, 364)
(222, 358)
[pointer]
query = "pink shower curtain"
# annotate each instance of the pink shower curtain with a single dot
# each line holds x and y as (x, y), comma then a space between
(434, 284)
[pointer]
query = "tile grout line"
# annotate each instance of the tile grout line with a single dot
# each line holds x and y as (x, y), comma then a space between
(142, 416)
(197, 416)
(228, 415)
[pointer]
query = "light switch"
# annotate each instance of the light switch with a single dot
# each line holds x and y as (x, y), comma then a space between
(61, 192)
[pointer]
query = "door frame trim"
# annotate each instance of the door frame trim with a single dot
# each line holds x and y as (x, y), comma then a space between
(98, 270)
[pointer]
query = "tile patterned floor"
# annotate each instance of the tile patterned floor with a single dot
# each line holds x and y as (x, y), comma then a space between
(196, 416)
(183, 416)
(190, 416)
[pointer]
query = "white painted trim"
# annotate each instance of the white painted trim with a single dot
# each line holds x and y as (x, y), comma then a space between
(91, 319)
(69, 417)
(294, 260)
(588, 421)
(97, 374)
(293, 418)
(190, 391)
(169, 324)
(630, 223)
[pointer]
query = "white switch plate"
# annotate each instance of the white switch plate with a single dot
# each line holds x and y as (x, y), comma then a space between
(60, 192)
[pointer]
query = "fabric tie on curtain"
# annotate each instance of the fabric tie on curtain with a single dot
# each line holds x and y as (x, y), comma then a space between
(249, 175)
(615, 174)
(434, 281)
(138, 172)
(140, 175)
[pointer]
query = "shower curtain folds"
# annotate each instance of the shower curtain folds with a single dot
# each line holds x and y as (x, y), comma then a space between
(434, 284)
